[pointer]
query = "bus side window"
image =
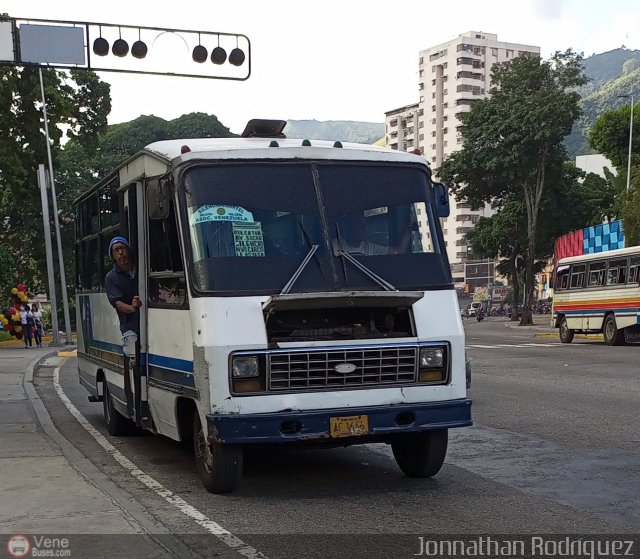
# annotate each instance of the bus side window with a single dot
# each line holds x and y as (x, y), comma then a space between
(596, 273)
(166, 284)
(617, 273)
(562, 277)
(577, 276)
(634, 271)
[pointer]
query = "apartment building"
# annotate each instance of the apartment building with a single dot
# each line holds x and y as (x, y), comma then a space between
(452, 76)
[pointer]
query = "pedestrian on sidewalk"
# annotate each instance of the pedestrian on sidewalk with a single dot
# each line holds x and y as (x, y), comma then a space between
(38, 328)
(28, 322)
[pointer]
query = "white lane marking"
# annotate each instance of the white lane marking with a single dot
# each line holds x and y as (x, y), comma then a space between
(502, 346)
(214, 528)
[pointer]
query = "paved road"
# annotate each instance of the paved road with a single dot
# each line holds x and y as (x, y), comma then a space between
(553, 450)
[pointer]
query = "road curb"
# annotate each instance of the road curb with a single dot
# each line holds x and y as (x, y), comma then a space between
(577, 336)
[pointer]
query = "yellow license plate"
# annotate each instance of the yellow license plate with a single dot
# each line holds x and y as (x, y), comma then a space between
(349, 426)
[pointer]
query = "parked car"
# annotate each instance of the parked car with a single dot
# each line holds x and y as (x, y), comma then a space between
(473, 308)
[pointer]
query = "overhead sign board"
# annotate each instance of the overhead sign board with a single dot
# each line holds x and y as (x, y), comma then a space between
(52, 44)
(106, 47)
(6, 42)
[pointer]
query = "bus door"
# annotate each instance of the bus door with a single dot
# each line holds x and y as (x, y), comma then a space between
(135, 369)
(169, 340)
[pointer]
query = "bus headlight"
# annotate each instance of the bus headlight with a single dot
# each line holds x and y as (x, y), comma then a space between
(432, 364)
(431, 357)
(245, 367)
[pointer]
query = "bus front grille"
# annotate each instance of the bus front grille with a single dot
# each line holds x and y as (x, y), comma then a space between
(341, 368)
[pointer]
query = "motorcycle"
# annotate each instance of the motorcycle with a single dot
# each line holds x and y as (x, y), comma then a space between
(479, 316)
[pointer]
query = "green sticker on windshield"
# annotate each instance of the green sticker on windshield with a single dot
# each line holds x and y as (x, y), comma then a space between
(220, 213)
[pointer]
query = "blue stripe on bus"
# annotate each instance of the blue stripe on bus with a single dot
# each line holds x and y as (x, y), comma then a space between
(629, 311)
(106, 346)
(171, 376)
(171, 363)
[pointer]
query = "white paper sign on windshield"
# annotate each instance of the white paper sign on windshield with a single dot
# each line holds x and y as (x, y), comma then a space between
(220, 213)
(247, 238)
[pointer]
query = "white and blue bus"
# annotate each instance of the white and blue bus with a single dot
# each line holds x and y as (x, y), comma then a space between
(293, 293)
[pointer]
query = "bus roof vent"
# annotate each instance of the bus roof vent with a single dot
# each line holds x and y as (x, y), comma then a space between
(261, 128)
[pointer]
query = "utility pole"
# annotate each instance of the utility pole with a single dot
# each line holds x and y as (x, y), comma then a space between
(42, 182)
(63, 281)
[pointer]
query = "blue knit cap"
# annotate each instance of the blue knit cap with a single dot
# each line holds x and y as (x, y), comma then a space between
(115, 240)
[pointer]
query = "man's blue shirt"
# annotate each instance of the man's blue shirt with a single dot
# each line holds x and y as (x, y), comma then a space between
(120, 286)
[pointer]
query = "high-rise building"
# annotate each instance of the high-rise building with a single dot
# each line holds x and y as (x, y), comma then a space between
(452, 76)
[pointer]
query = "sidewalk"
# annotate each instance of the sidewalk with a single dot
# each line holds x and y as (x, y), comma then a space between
(43, 492)
(542, 328)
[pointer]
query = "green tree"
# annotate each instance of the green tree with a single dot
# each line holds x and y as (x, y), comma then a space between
(77, 107)
(610, 136)
(502, 237)
(513, 141)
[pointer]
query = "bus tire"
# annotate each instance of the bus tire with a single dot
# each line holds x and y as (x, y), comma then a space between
(219, 466)
(117, 424)
(566, 333)
(610, 332)
(421, 454)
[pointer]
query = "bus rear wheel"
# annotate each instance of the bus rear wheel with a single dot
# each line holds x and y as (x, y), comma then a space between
(219, 466)
(612, 336)
(421, 454)
(566, 333)
(117, 424)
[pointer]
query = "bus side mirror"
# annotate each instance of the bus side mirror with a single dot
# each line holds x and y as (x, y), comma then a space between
(158, 198)
(441, 195)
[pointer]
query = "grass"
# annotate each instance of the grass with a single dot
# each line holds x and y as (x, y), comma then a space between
(4, 337)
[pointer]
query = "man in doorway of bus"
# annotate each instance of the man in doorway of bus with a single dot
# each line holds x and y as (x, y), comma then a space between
(121, 285)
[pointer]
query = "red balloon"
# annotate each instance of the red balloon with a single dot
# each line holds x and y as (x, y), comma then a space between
(21, 287)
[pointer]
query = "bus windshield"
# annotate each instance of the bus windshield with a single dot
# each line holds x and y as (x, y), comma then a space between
(252, 225)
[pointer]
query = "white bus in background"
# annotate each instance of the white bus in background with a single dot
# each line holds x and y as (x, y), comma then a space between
(599, 293)
(288, 298)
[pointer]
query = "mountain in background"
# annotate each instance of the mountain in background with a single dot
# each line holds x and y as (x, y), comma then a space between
(342, 130)
(610, 74)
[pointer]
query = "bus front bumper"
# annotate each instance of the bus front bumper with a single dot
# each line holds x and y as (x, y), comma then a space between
(338, 426)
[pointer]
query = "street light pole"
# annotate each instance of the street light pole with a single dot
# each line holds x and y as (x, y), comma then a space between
(63, 280)
(630, 138)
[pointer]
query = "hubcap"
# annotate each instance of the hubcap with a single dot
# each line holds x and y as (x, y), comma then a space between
(610, 329)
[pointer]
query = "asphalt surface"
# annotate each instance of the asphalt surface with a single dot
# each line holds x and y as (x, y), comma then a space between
(554, 449)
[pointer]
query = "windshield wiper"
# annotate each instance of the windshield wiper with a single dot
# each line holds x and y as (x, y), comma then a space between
(297, 273)
(339, 251)
(312, 250)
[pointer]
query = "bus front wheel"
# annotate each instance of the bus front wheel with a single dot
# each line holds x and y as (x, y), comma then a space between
(611, 334)
(219, 466)
(566, 333)
(421, 454)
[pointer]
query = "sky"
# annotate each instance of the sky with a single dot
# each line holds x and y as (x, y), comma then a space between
(331, 60)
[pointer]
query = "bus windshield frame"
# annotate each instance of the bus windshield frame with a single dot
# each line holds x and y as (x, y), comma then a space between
(249, 225)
